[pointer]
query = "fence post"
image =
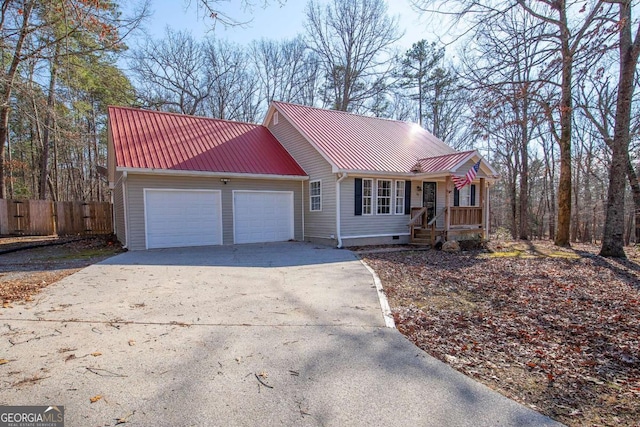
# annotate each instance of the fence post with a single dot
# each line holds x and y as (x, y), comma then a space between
(4, 220)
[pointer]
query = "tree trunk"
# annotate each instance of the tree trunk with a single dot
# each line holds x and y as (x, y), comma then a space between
(524, 174)
(513, 206)
(7, 88)
(575, 222)
(634, 182)
(48, 124)
(566, 116)
(588, 199)
(550, 173)
(612, 240)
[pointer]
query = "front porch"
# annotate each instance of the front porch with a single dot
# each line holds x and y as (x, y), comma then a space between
(428, 225)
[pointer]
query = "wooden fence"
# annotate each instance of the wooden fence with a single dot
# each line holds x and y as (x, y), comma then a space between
(44, 218)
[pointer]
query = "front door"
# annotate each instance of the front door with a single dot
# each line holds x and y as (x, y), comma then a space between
(429, 199)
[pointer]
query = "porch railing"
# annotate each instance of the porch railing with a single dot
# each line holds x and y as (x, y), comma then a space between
(466, 216)
(460, 219)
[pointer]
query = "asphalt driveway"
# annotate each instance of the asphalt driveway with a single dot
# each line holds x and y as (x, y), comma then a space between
(277, 334)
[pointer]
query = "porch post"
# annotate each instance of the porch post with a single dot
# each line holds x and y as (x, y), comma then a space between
(483, 206)
(487, 209)
(447, 204)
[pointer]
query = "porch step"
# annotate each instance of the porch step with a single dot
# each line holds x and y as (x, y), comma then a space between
(421, 242)
(422, 233)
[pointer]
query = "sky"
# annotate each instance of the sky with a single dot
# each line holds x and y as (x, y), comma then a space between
(276, 21)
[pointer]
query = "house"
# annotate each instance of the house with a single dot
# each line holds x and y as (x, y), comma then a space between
(305, 174)
(190, 181)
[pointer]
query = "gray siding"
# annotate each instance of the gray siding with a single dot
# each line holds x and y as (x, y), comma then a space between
(135, 200)
(386, 240)
(380, 229)
(465, 167)
(118, 210)
(318, 225)
(367, 225)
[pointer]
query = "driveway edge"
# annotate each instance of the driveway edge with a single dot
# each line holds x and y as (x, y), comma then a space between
(384, 303)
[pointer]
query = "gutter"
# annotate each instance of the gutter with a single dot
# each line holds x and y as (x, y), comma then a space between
(338, 226)
(174, 172)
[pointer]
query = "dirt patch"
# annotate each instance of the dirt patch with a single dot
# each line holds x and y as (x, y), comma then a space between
(25, 272)
(556, 329)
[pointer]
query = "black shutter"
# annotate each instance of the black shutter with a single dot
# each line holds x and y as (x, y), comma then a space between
(358, 196)
(473, 195)
(456, 197)
(407, 197)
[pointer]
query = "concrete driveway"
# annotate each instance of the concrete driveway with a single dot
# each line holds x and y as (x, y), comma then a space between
(277, 334)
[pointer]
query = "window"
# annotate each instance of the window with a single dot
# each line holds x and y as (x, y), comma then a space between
(400, 186)
(275, 118)
(315, 196)
(367, 196)
(466, 196)
(384, 197)
(472, 195)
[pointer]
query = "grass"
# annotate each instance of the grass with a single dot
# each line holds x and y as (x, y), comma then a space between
(85, 254)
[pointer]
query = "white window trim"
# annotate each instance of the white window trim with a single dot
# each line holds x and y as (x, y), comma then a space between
(275, 118)
(311, 196)
(373, 191)
(395, 197)
(390, 196)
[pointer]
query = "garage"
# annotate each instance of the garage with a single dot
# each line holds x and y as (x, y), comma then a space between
(176, 218)
(262, 216)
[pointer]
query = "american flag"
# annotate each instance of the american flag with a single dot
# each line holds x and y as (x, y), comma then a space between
(461, 181)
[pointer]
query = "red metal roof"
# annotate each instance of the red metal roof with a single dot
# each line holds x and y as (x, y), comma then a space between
(360, 143)
(155, 140)
(443, 163)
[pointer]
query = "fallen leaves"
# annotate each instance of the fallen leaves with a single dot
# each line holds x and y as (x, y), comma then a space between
(95, 398)
(96, 354)
(3, 361)
(29, 271)
(539, 328)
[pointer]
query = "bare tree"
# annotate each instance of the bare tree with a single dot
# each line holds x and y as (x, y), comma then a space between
(171, 73)
(629, 50)
(233, 89)
(211, 11)
(351, 37)
(576, 30)
(286, 70)
(505, 70)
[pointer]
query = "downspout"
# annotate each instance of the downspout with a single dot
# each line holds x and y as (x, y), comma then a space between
(302, 195)
(112, 187)
(338, 232)
(486, 214)
(124, 208)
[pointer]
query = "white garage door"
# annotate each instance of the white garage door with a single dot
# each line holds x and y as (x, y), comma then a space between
(262, 216)
(176, 218)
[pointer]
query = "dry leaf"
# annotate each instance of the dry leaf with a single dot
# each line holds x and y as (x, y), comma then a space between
(6, 304)
(3, 361)
(568, 318)
(94, 399)
(132, 343)
(96, 354)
